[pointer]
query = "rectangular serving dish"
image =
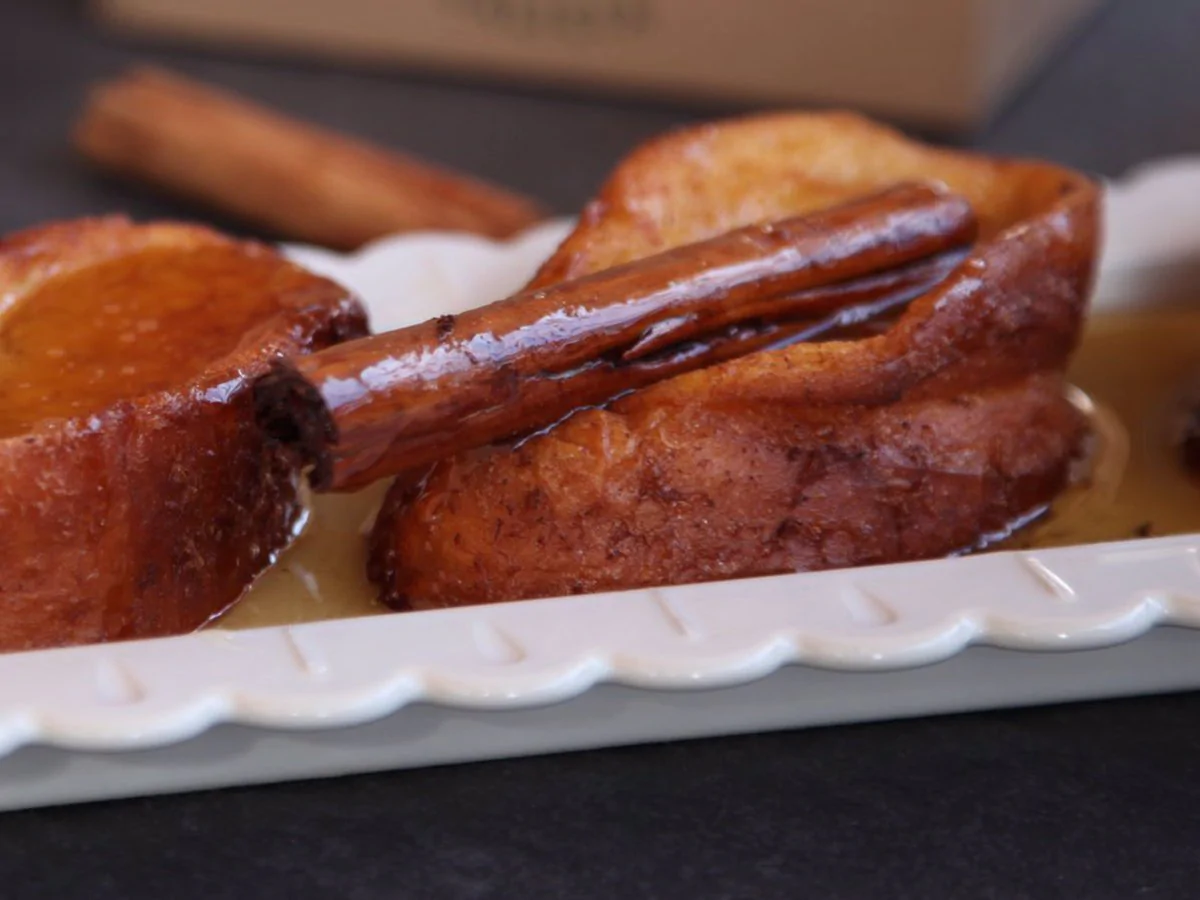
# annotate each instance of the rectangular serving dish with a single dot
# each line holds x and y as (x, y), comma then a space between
(238, 707)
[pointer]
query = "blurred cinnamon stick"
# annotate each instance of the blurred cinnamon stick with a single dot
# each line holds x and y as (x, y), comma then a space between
(297, 180)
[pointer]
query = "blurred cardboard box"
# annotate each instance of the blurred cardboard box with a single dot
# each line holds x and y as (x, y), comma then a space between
(942, 63)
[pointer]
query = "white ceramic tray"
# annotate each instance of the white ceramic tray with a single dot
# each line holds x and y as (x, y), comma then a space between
(222, 708)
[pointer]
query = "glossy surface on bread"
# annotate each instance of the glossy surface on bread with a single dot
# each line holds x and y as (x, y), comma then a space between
(914, 443)
(702, 181)
(153, 504)
(131, 326)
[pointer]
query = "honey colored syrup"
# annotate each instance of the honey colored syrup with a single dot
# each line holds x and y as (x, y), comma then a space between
(324, 574)
(1136, 368)
(122, 329)
(1131, 368)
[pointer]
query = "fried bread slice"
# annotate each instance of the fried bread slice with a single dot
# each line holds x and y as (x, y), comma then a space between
(917, 442)
(137, 496)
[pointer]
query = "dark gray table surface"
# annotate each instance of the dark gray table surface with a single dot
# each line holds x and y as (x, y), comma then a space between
(1092, 800)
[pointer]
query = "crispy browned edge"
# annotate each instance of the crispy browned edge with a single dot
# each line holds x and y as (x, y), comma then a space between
(152, 516)
(981, 358)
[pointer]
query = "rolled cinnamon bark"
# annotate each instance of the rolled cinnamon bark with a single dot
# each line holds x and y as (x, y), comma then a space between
(396, 401)
(299, 181)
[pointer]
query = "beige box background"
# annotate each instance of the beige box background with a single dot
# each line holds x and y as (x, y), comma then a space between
(944, 63)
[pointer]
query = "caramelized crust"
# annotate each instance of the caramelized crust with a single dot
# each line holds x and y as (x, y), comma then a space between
(912, 444)
(137, 497)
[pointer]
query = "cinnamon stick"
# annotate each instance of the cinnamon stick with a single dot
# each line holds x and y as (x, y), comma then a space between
(393, 402)
(297, 180)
